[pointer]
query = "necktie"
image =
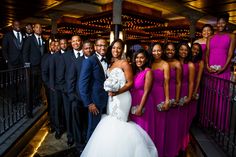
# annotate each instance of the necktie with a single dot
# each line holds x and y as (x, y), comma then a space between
(39, 40)
(18, 37)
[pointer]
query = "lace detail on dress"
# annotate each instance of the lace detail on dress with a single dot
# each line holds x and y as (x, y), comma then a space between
(115, 81)
(115, 111)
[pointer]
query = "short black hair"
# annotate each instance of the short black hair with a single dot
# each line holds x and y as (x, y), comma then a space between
(188, 58)
(164, 50)
(224, 16)
(208, 25)
(199, 55)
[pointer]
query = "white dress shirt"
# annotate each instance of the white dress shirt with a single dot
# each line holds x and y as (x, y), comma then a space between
(15, 33)
(77, 53)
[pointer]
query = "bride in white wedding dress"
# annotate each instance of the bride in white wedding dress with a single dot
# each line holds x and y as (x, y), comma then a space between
(114, 136)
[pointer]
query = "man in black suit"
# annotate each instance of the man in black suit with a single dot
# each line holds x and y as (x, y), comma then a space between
(12, 46)
(79, 112)
(67, 59)
(63, 45)
(33, 50)
(45, 65)
(55, 91)
(28, 30)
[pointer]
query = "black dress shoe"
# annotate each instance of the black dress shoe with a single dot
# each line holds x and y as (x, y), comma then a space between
(58, 135)
(70, 142)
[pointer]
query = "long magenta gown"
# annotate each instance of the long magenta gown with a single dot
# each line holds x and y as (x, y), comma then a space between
(172, 123)
(219, 47)
(160, 116)
(193, 106)
(146, 121)
(184, 111)
(203, 51)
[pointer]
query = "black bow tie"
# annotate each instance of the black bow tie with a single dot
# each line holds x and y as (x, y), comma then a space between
(103, 59)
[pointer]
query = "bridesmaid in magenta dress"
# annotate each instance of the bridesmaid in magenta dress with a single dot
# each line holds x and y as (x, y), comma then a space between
(160, 92)
(199, 66)
(140, 92)
(207, 30)
(220, 48)
(184, 53)
(172, 127)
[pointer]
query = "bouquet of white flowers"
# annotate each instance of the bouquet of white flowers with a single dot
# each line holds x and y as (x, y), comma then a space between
(114, 81)
(215, 67)
(134, 109)
(181, 101)
(159, 106)
(196, 96)
(111, 84)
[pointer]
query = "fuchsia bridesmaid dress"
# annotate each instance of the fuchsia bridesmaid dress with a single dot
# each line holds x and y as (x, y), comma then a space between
(146, 121)
(172, 123)
(160, 116)
(184, 110)
(218, 53)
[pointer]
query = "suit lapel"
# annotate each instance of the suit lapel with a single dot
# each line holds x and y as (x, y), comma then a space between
(14, 39)
(73, 58)
(35, 41)
(100, 65)
(41, 49)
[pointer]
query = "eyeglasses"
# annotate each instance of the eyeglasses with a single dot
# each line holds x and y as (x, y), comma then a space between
(101, 45)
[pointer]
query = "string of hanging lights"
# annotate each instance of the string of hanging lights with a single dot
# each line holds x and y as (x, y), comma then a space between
(135, 27)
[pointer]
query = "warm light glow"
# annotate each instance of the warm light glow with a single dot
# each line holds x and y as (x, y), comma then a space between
(72, 15)
(125, 49)
(112, 37)
(39, 144)
(121, 35)
(189, 44)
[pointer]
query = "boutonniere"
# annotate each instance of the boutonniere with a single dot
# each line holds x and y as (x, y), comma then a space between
(43, 42)
(23, 36)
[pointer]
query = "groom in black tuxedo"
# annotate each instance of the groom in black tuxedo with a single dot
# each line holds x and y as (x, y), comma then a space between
(92, 77)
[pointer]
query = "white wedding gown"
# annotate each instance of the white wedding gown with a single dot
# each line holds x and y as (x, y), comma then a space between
(114, 136)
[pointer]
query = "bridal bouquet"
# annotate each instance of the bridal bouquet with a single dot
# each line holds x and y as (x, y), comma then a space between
(111, 84)
(215, 67)
(114, 81)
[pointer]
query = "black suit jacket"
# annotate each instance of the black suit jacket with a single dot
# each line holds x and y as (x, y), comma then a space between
(73, 79)
(54, 71)
(11, 50)
(66, 60)
(32, 52)
(46, 59)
